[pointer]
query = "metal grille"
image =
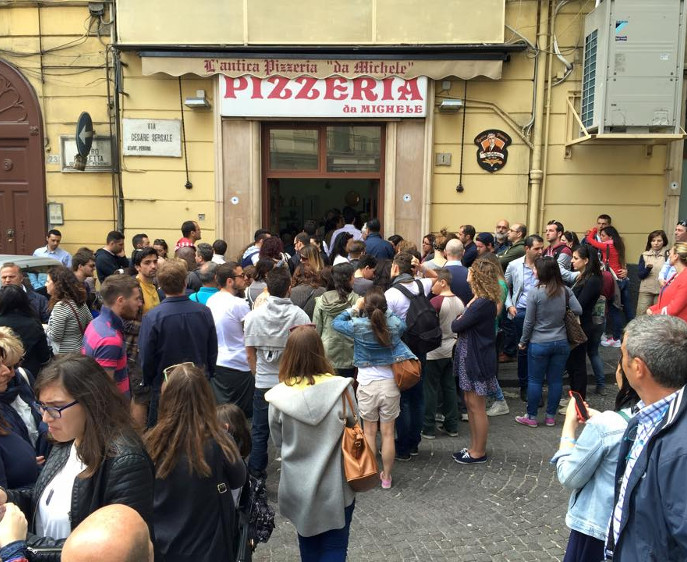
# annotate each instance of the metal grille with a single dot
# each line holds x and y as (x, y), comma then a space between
(589, 78)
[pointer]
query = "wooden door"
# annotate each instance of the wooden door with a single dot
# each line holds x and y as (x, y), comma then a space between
(22, 168)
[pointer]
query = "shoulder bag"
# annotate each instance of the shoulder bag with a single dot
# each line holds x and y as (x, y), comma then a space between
(76, 315)
(407, 373)
(573, 328)
(359, 460)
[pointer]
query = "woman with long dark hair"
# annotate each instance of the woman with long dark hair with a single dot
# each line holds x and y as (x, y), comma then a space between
(649, 266)
(586, 465)
(337, 347)
(612, 254)
(98, 458)
(545, 338)
(193, 455)
(17, 314)
(428, 247)
(339, 253)
(69, 314)
(376, 334)
(587, 290)
(305, 415)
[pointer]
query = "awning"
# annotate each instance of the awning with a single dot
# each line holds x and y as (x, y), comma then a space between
(462, 61)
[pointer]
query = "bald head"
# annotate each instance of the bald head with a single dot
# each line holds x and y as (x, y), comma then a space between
(188, 254)
(114, 533)
(454, 249)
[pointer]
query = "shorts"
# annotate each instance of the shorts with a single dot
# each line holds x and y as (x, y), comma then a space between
(139, 394)
(379, 400)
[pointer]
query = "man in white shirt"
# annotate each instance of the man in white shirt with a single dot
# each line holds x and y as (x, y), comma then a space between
(349, 218)
(409, 422)
(233, 381)
(50, 250)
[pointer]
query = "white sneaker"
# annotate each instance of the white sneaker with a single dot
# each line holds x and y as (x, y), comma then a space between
(498, 408)
(610, 342)
(464, 417)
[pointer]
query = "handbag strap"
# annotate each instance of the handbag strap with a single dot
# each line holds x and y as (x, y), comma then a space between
(76, 315)
(567, 299)
(223, 493)
(346, 397)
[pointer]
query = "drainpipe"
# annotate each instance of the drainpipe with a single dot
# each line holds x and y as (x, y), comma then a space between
(536, 173)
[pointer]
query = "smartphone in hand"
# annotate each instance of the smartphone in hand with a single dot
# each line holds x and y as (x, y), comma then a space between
(580, 408)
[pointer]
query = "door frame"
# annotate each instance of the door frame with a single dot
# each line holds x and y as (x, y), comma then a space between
(321, 172)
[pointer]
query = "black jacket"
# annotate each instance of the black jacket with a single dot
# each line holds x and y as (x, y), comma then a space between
(106, 263)
(37, 352)
(126, 477)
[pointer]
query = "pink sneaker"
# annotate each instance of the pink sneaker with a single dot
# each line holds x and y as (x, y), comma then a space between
(526, 420)
(550, 421)
(386, 484)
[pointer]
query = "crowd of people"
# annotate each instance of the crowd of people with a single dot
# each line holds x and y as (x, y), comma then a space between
(149, 397)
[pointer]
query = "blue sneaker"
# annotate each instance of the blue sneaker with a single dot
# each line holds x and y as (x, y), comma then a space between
(463, 457)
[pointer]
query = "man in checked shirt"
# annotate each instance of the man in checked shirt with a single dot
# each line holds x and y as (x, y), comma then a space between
(649, 521)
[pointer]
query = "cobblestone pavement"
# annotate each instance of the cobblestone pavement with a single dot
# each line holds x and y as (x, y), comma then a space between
(510, 509)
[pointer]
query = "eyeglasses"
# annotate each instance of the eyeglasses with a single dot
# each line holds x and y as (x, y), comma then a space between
(292, 328)
(167, 370)
(53, 412)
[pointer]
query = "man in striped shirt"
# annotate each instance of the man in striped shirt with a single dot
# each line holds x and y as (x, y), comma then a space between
(650, 493)
(104, 336)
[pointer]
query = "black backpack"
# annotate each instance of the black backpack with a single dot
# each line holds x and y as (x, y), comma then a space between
(423, 333)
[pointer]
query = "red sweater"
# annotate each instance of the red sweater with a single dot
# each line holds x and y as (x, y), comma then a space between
(607, 249)
(673, 298)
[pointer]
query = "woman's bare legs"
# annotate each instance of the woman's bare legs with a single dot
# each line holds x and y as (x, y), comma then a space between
(479, 424)
(388, 447)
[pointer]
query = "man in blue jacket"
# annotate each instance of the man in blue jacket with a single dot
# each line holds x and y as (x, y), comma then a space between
(375, 245)
(649, 519)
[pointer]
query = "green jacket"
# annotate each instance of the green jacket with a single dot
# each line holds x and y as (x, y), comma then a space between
(516, 251)
(337, 347)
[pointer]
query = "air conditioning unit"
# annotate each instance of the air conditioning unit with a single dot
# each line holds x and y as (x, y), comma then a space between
(634, 52)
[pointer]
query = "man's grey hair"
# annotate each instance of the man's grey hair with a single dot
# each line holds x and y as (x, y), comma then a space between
(207, 271)
(454, 248)
(661, 342)
(205, 251)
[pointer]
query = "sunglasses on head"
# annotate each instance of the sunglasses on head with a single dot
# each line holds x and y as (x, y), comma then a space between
(682, 223)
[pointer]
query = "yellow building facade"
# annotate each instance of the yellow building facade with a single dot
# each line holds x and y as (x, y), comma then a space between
(240, 164)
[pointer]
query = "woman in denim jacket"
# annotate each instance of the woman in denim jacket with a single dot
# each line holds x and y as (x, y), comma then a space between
(587, 466)
(377, 344)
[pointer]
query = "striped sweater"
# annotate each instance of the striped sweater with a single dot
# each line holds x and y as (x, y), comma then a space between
(65, 334)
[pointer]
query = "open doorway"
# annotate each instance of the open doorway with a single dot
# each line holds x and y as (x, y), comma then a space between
(295, 200)
(310, 168)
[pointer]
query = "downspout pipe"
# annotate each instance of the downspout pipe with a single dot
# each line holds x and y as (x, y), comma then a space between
(536, 173)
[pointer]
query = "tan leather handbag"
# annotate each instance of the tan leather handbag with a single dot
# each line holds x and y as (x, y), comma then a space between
(407, 373)
(359, 460)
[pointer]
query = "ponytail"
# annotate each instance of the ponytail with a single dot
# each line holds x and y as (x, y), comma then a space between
(375, 310)
(380, 328)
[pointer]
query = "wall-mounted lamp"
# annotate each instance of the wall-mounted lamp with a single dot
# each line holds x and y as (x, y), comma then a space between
(198, 102)
(450, 106)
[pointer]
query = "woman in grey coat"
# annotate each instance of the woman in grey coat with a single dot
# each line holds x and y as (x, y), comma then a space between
(307, 421)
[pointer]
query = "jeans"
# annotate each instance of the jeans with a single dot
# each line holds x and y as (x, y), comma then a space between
(593, 340)
(617, 315)
(498, 394)
(577, 369)
(409, 421)
(546, 359)
(260, 433)
(439, 378)
(156, 387)
(330, 546)
(519, 321)
(510, 336)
